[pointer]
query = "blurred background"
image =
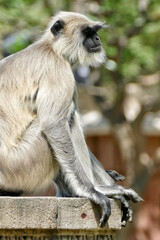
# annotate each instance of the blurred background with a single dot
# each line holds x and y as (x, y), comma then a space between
(119, 102)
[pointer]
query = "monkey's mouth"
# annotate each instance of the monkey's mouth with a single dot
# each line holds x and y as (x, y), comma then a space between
(95, 49)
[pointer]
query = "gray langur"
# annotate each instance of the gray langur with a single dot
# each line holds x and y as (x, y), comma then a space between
(41, 138)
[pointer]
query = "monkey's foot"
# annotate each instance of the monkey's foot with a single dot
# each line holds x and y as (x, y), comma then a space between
(115, 175)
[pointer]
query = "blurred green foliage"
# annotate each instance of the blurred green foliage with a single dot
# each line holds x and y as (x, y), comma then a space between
(21, 14)
(17, 16)
(133, 40)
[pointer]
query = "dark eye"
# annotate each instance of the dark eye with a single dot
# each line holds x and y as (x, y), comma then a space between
(87, 31)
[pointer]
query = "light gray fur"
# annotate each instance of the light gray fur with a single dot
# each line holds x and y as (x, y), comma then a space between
(37, 143)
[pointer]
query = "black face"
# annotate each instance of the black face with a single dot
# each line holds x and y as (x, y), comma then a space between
(91, 42)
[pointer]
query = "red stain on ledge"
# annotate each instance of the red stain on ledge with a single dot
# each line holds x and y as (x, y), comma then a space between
(83, 216)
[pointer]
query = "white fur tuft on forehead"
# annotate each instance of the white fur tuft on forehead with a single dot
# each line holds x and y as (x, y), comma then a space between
(69, 15)
(74, 17)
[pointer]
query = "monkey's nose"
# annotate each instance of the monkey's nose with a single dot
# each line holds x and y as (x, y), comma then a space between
(96, 40)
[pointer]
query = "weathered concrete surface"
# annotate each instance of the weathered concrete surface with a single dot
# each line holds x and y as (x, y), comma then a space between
(81, 213)
(54, 213)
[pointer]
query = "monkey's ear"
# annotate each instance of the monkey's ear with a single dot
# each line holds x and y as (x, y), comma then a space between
(57, 27)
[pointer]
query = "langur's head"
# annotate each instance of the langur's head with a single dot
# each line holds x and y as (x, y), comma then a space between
(75, 37)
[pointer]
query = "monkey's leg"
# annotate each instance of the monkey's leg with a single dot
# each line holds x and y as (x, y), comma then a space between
(29, 167)
(62, 189)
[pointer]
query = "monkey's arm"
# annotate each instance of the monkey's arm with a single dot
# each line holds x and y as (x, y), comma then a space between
(74, 175)
(53, 117)
(103, 182)
(112, 173)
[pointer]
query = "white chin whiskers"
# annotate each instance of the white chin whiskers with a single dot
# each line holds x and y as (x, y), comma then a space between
(92, 59)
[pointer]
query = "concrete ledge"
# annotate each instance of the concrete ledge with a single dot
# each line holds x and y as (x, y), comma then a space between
(53, 217)
(54, 213)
